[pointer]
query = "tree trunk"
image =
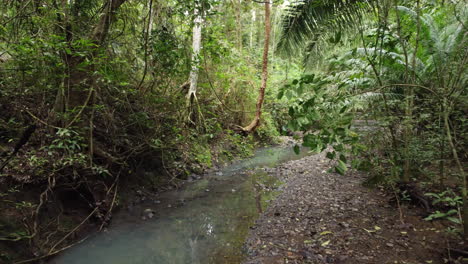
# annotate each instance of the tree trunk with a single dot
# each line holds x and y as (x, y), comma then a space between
(252, 28)
(460, 167)
(238, 7)
(261, 96)
(196, 47)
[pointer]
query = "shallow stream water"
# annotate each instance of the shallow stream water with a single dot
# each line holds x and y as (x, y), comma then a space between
(206, 221)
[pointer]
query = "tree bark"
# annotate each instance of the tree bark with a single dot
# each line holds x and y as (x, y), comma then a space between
(252, 28)
(238, 6)
(196, 47)
(464, 179)
(261, 96)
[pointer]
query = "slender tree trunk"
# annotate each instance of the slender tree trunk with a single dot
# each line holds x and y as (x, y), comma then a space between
(59, 104)
(442, 142)
(406, 122)
(252, 28)
(196, 47)
(261, 96)
(460, 168)
(408, 134)
(148, 29)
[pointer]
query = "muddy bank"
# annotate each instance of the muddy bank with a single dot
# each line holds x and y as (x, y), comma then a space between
(324, 217)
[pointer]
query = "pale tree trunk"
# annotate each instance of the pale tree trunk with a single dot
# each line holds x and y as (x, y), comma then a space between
(196, 47)
(252, 27)
(261, 96)
(148, 28)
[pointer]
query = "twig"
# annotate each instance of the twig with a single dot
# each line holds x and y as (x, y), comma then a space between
(115, 184)
(42, 200)
(40, 120)
(91, 90)
(398, 204)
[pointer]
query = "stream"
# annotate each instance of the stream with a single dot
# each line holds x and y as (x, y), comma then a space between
(206, 221)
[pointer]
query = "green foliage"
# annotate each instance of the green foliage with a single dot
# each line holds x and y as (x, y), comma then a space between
(305, 21)
(68, 145)
(325, 114)
(202, 155)
(108, 95)
(449, 200)
(446, 198)
(390, 75)
(243, 146)
(447, 215)
(403, 74)
(108, 102)
(268, 131)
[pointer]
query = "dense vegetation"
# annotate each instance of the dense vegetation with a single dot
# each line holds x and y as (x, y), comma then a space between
(402, 70)
(96, 96)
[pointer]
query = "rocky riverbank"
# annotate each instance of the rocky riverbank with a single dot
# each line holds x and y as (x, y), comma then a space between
(323, 217)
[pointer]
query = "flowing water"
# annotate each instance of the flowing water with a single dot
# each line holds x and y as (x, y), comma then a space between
(206, 221)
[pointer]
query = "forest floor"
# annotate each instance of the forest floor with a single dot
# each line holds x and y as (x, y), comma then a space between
(323, 217)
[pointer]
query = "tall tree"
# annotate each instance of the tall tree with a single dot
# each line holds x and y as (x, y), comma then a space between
(261, 95)
(196, 47)
(252, 27)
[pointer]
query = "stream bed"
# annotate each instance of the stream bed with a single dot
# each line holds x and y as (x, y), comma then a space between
(206, 221)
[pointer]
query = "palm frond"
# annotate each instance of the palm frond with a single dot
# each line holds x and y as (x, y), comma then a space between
(443, 39)
(398, 58)
(303, 20)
